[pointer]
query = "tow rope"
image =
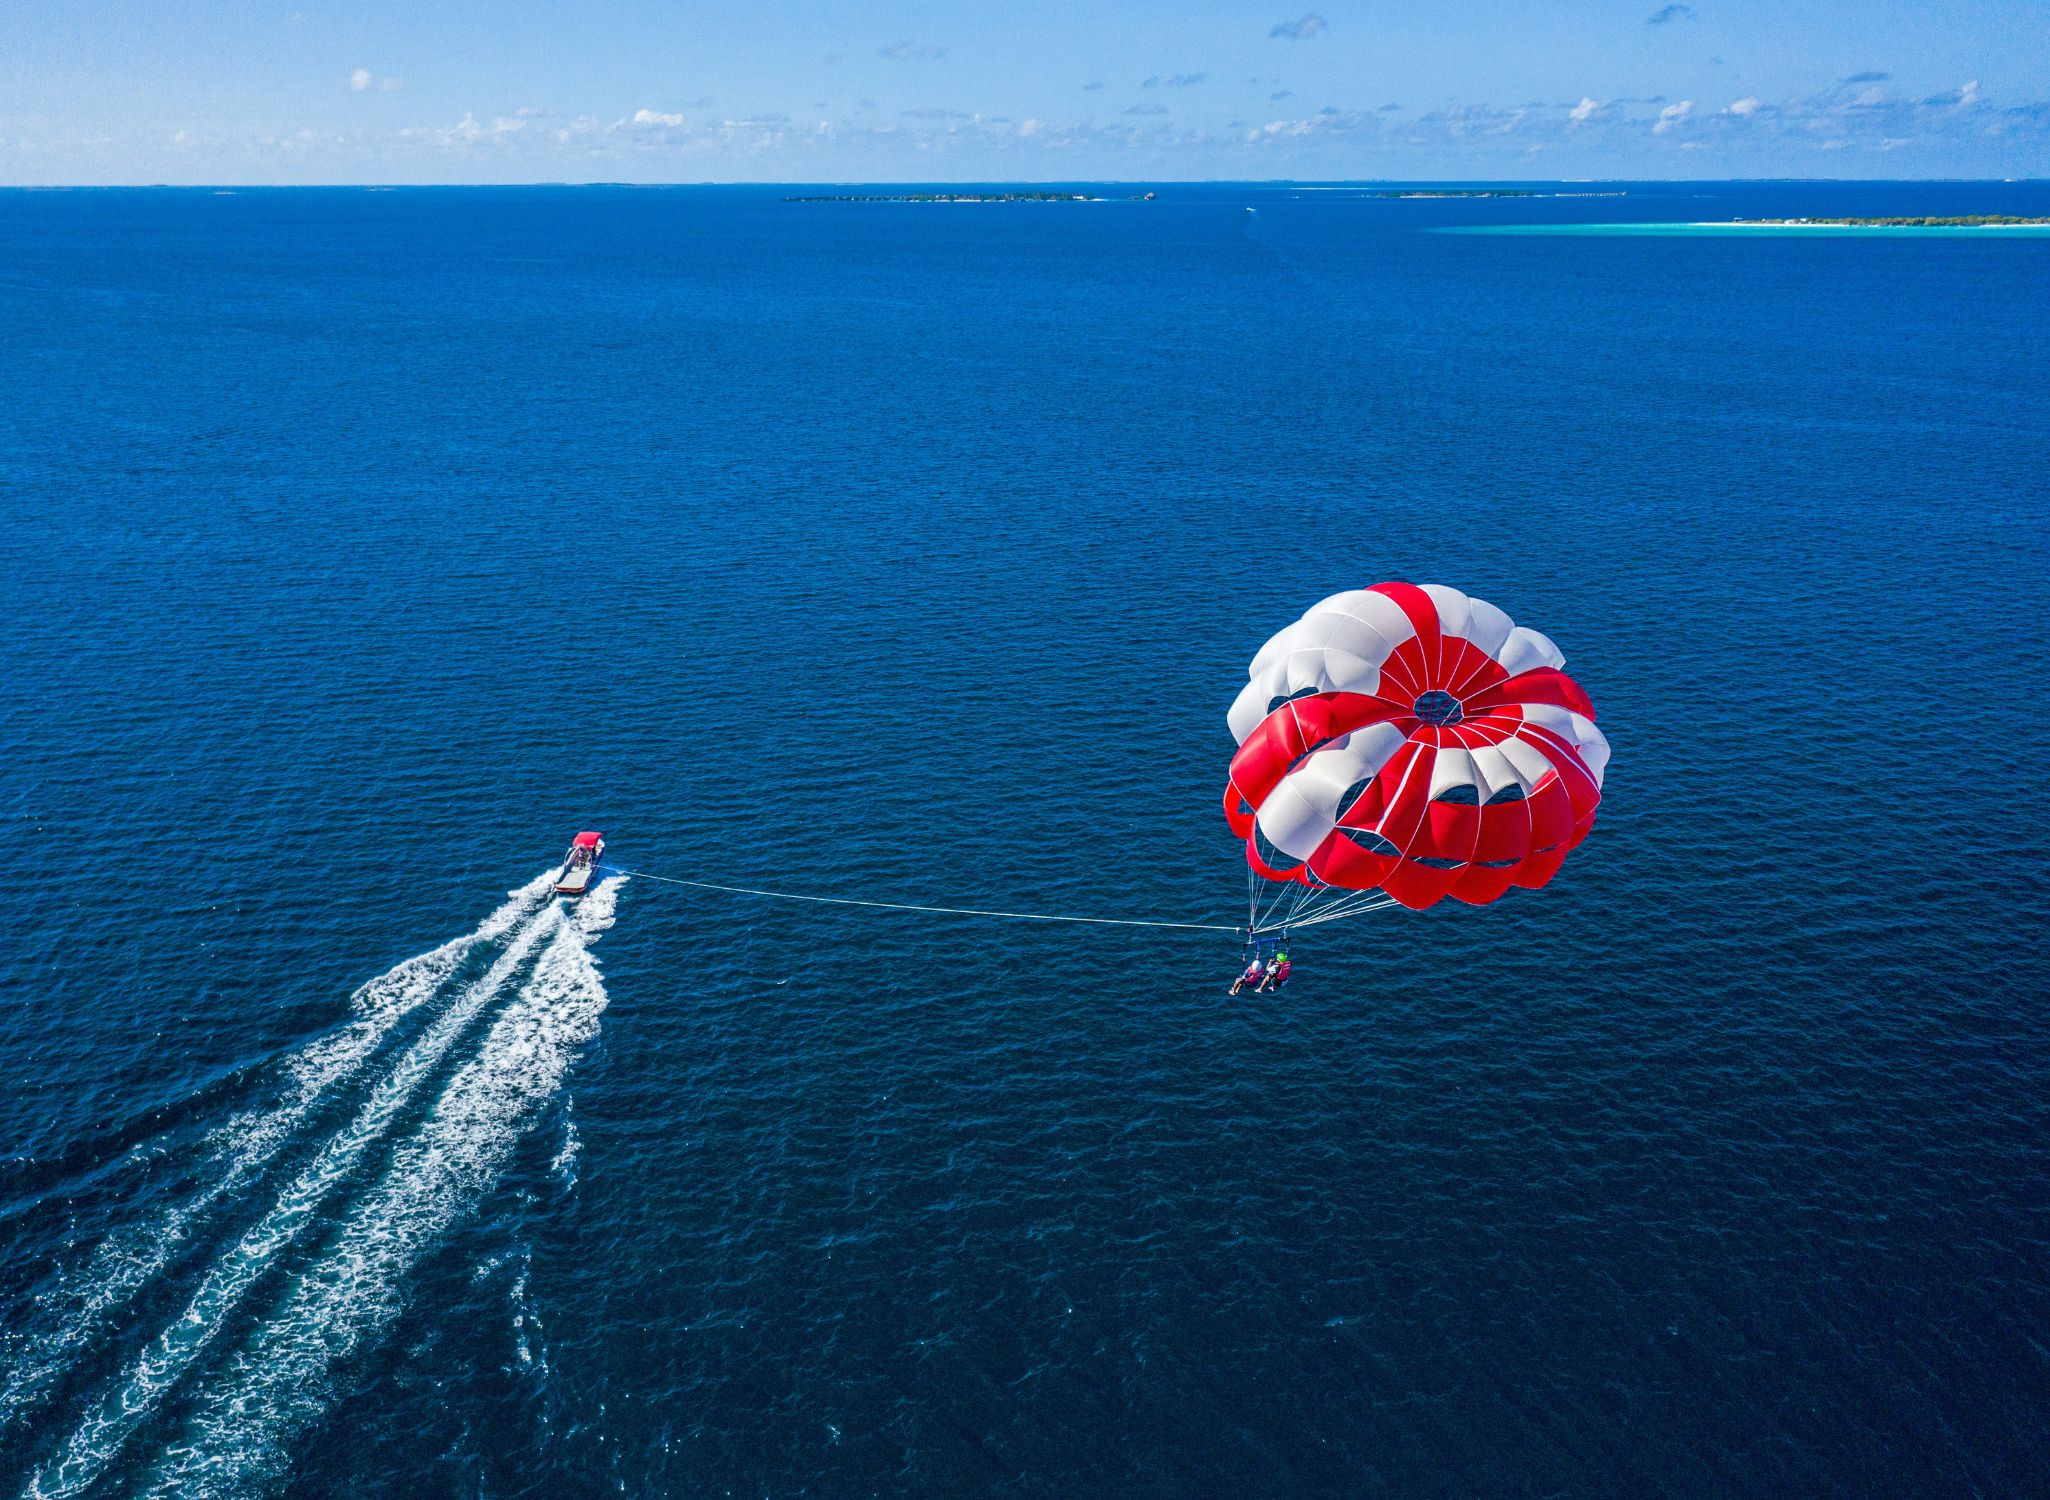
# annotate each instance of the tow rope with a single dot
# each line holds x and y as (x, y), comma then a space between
(950, 911)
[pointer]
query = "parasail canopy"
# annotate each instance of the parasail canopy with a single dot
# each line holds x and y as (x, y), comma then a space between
(1413, 741)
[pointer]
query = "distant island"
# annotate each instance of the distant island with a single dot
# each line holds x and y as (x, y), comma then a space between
(1961, 221)
(959, 198)
(1452, 193)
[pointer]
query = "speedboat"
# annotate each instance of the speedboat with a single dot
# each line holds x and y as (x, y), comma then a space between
(580, 864)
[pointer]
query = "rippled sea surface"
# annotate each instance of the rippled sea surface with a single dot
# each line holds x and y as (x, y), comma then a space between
(360, 547)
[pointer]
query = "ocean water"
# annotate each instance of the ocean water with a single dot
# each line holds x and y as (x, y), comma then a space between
(360, 547)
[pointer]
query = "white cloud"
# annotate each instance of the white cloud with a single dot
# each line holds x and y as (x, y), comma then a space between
(363, 80)
(1591, 132)
(1325, 123)
(360, 80)
(468, 132)
(1295, 31)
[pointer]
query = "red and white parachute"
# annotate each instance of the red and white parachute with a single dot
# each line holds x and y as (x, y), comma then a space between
(1404, 744)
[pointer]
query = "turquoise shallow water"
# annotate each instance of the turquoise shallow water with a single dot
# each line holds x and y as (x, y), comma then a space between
(1803, 231)
(361, 547)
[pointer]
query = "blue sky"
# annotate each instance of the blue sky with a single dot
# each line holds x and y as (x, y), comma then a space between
(301, 91)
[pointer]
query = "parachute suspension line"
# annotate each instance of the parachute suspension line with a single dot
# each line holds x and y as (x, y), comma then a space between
(952, 911)
(1357, 902)
(1276, 903)
(1339, 912)
(1276, 906)
(1294, 905)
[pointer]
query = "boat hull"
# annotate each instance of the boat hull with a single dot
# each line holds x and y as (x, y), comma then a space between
(580, 870)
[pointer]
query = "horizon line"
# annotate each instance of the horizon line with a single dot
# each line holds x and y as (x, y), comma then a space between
(59, 187)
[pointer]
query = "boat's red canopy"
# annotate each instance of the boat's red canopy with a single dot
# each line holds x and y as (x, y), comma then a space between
(587, 841)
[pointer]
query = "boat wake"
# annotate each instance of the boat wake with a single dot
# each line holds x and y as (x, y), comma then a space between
(277, 1384)
(86, 1301)
(305, 1285)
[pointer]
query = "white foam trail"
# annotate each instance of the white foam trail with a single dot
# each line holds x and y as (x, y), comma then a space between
(127, 1260)
(99, 1438)
(278, 1383)
(564, 1167)
(530, 1335)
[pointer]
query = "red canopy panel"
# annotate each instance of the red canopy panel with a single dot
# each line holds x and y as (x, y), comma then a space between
(587, 840)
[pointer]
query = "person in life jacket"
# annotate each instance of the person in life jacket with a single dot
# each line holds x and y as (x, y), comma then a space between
(1277, 973)
(1255, 975)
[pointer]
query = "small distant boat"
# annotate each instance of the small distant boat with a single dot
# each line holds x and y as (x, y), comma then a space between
(580, 864)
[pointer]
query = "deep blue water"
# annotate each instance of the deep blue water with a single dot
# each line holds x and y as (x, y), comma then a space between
(360, 547)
